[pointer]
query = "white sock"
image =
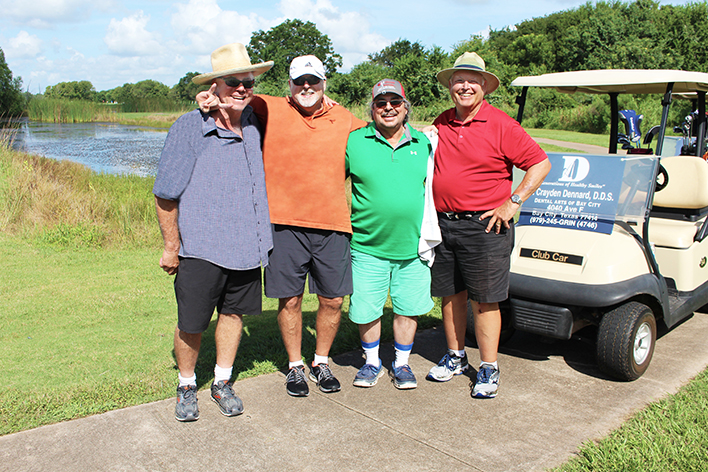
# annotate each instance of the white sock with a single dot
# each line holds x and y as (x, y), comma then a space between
(371, 352)
(493, 364)
(403, 352)
(222, 373)
(458, 353)
(320, 360)
(296, 364)
(184, 381)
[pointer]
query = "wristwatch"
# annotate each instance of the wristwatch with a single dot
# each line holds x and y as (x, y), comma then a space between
(516, 199)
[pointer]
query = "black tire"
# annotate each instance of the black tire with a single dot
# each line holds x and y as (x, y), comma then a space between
(507, 330)
(625, 341)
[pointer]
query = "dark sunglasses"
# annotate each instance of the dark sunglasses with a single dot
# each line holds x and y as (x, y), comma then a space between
(235, 83)
(310, 79)
(395, 103)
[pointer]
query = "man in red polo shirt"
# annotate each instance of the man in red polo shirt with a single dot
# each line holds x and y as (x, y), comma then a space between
(478, 146)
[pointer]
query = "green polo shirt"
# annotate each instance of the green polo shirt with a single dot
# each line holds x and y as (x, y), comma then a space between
(388, 192)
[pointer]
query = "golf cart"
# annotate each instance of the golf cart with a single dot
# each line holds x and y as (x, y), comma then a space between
(614, 241)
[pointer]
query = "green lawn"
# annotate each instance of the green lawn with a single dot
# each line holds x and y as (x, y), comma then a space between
(91, 330)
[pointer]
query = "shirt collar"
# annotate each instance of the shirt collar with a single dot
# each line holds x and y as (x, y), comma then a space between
(372, 132)
(209, 124)
(482, 114)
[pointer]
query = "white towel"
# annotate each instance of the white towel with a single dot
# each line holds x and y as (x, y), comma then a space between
(429, 229)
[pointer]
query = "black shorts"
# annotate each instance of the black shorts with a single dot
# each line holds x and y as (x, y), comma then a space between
(470, 259)
(324, 254)
(201, 286)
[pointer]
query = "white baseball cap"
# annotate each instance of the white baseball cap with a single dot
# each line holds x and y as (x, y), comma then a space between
(304, 65)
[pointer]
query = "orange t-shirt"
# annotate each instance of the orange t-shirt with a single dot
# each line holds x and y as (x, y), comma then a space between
(303, 158)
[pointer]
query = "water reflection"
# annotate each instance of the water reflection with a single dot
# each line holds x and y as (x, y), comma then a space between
(103, 147)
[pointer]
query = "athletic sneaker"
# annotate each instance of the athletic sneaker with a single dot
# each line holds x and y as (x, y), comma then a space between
(487, 382)
(449, 366)
(403, 378)
(187, 408)
(368, 375)
(324, 378)
(224, 396)
(296, 383)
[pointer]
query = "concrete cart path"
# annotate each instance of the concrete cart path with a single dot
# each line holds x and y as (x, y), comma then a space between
(588, 148)
(552, 398)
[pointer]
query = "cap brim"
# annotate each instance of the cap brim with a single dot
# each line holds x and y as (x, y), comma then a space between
(257, 70)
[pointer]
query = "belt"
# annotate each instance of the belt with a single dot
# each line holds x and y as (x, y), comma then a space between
(465, 215)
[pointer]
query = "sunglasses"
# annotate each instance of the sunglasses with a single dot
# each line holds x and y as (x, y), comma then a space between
(310, 79)
(235, 83)
(395, 103)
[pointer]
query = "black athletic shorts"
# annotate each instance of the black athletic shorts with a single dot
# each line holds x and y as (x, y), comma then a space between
(201, 286)
(470, 259)
(297, 252)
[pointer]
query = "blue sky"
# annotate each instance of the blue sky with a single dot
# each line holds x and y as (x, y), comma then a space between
(111, 42)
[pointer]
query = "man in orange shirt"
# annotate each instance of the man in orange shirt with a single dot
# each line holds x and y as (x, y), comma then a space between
(303, 154)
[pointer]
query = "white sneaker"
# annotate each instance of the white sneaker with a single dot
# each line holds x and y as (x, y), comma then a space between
(487, 382)
(449, 366)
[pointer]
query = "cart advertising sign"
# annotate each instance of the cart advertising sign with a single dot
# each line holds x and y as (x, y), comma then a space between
(580, 192)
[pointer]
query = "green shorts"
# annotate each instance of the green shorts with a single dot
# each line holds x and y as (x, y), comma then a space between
(408, 281)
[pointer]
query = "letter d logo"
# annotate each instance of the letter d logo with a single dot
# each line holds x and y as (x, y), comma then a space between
(575, 169)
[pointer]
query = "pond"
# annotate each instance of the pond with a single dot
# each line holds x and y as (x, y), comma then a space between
(103, 147)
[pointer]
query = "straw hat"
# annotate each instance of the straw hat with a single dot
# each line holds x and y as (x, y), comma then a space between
(229, 60)
(472, 62)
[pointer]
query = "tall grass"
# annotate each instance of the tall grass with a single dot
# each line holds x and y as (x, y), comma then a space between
(66, 111)
(66, 204)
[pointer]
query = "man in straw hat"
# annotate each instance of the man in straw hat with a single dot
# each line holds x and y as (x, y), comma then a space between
(213, 213)
(477, 147)
(303, 153)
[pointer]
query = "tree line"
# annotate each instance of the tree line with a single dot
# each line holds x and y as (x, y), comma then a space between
(641, 34)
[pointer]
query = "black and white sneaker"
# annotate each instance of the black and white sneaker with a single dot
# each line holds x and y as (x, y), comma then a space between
(324, 378)
(296, 383)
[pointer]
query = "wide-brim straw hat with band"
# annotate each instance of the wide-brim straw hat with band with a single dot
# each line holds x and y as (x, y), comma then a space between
(229, 60)
(469, 61)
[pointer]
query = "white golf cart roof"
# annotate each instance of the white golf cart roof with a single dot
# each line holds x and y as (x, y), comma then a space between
(634, 81)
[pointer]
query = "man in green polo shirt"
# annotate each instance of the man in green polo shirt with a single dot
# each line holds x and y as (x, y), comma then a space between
(387, 161)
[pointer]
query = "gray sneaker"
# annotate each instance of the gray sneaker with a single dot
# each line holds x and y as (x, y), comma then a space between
(487, 382)
(224, 396)
(187, 408)
(449, 366)
(402, 377)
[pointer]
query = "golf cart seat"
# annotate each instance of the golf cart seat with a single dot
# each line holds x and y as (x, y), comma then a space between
(681, 205)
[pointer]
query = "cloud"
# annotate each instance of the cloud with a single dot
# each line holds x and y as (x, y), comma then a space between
(203, 26)
(349, 31)
(23, 46)
(45, 13)
(129, 37)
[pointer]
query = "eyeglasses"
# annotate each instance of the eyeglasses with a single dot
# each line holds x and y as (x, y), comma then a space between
(395, 103)
(235, 83)
(310, 79)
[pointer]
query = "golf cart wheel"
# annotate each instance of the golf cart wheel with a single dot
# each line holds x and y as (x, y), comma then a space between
(625, 341)
(507, 331)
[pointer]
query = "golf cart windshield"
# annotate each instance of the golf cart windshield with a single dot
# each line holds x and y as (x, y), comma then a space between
(618, 81)
(591, 192)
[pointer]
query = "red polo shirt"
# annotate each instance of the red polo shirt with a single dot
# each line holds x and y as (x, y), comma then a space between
(474, 160)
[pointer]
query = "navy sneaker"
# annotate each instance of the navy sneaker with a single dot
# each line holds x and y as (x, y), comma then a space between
(487, 382)
(322, 375)
(296, 383)
(224, 396)
(403, 378)
(368, 375)
(187, 408)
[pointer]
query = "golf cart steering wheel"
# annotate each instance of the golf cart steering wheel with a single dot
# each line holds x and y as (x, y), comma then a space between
(662, 179)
